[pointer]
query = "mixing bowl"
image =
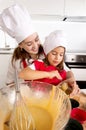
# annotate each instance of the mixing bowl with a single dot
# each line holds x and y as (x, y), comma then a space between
(49, 106)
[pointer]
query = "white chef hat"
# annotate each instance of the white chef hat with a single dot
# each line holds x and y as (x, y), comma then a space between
(53, 40)
(16, 21)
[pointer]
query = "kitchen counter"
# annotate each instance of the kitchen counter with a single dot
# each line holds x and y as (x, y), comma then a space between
(6, 50)
(76, 53)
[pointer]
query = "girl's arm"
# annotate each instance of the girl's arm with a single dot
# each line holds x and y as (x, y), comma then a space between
(29, 74)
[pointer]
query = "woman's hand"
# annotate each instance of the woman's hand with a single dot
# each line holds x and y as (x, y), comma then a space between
(53, 74)
(75, 88)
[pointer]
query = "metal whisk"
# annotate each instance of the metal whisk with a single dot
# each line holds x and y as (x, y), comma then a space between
(21, 118)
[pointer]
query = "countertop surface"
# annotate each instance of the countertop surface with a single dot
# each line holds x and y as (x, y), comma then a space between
(6, 50)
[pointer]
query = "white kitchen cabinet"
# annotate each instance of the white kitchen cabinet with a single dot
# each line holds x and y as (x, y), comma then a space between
(49, 8)
(4, 61)
(75, 7)
(5, 3)
(45, 7)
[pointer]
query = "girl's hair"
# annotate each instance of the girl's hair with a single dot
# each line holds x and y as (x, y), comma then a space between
(22, 54)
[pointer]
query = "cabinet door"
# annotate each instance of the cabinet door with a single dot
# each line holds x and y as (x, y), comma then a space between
(48, 7)
(5, 3)
(4, 61)
(75, 7)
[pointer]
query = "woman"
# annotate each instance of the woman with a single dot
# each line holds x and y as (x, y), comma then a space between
(16, 21)
(24, 54)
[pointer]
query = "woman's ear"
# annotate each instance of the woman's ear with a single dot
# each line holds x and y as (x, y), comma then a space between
(20, 46)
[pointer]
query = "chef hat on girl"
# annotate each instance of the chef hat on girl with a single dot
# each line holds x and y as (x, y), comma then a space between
(53, 40)
(16, 21)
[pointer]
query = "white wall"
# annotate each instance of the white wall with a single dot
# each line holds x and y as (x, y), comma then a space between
(4, 61)
(75, 32)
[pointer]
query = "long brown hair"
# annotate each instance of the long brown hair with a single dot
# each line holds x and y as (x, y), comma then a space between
(22, 54)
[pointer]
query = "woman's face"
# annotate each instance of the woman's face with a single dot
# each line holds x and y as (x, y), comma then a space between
(31, 44)
(56, 56)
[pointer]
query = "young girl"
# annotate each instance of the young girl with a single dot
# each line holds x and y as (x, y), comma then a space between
(54, 50)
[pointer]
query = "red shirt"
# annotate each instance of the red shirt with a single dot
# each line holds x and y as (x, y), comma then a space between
(42, 67)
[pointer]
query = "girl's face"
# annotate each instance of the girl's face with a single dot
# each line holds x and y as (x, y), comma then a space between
(56, 56)
(31, 44)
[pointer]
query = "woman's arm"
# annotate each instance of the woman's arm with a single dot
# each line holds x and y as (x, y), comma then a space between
(29, 74)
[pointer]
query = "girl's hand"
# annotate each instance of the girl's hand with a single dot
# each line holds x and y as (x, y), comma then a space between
(75, 88)
(56, 74)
